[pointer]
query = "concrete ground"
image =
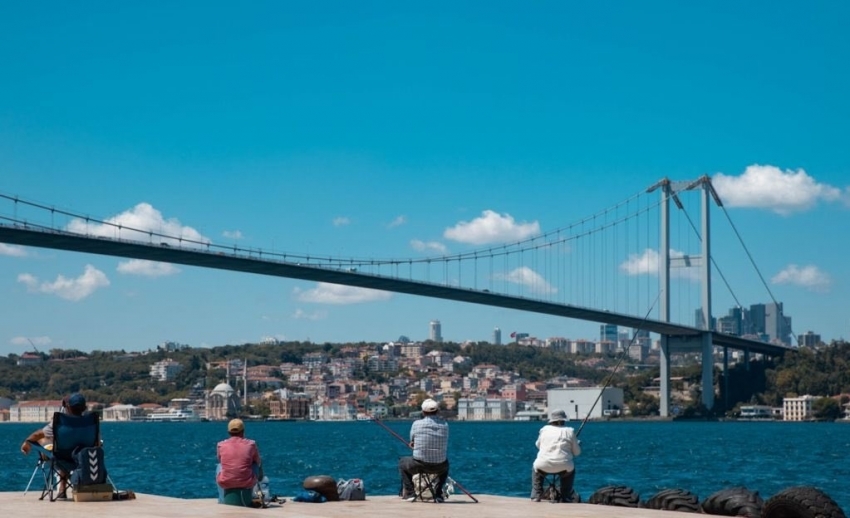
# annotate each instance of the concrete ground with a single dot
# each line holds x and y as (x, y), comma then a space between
(151, 506)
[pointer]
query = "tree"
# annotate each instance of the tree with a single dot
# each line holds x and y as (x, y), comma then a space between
(826, 408)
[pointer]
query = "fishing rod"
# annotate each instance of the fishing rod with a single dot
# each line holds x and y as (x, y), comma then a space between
(400, 438)
(617, 365)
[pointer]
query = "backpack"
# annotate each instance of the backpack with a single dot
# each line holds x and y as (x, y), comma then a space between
(310, 496)
(90, 467)
(351, 489)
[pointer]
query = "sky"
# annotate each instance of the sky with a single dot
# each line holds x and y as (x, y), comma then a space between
(374, 129)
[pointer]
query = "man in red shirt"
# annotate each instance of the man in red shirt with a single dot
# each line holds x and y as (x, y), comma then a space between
(240, 463)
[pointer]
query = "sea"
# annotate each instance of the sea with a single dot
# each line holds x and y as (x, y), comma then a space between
(178, 459)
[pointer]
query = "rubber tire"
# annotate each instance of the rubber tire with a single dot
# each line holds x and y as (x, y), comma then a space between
(801, 502)
(674, 500)
(619, 496)
(734, 501)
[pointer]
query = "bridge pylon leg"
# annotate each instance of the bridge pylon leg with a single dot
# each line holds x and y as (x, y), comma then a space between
(664, 392)
(707, 371)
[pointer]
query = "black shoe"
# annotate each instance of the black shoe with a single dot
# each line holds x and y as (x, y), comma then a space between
(62, 496)
(535, 498)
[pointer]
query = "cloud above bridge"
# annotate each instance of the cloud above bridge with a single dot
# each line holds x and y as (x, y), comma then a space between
(769, 187)
(491, 228)
(809, 277)
(76, 289)
(147, 268)
(12, 250)
(428, 246)
(341, 221)
(300, 314)
(397, 222)
(25, 340)
(525, 276)
(232, 234)
(138, 223)
(327, 293)
(647, 263)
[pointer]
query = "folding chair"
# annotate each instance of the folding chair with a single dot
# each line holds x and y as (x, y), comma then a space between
(70, 433)
(426, 486)
(42, 467)
(552, 484)
(552, 488)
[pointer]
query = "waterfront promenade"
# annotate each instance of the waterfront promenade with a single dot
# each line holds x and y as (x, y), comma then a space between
(152, 506)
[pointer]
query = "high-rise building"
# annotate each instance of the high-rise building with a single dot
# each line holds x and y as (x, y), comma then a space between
(809, 339)
(497, 336)
(436, 331)
(608, 333)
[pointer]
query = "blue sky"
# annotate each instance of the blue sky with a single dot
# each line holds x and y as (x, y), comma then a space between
(380, 130)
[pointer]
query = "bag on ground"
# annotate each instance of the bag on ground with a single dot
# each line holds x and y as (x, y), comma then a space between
(308, 495)
(351, 489)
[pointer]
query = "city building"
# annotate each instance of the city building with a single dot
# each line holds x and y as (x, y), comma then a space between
(436, 334)
(757, 412)
(497, 336)
(798, 408)
(34, 411)
(809, 339)
(485, 409)
(579, 402)
(286, 404)
(165, 370)
(29, 359)
(608, 333)
(123, 413)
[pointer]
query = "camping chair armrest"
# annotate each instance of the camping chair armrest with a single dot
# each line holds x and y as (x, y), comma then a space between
(41, 450)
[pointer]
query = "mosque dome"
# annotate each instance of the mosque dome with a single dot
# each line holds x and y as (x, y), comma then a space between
(224, 389)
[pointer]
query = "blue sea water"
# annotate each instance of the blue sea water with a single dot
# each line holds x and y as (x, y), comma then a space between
(178, 459)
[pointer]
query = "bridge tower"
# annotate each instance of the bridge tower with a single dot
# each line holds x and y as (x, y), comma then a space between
(703, 343)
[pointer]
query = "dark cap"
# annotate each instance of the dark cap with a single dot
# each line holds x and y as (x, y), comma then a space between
(76, 400)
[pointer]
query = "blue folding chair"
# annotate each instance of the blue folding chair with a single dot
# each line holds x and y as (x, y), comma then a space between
(70, 434)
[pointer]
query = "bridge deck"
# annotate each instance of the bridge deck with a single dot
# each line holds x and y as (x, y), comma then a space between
(152, 506)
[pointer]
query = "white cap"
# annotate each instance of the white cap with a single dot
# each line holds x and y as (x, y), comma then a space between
(429, 405)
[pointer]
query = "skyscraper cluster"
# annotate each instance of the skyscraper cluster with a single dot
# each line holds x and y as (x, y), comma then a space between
(765, 321)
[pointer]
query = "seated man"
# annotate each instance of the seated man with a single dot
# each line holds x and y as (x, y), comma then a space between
(557, 445)
(239, 466)
(74, 405)
(429, 438)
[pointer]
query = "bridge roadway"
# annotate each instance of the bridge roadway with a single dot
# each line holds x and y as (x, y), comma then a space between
(152, 506)
(62, 240)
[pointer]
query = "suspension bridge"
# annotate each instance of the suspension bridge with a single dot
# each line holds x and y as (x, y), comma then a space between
(621, 266)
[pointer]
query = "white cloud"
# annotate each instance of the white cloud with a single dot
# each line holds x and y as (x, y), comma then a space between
(25, 340)
(326, 293)
(430, 246)
(147, 268)
(144, 218)
(397, 222)
(809, 277)
(527, 277)
(768, 187)
(232, 234)
(491, 227)
(341, 221)
(647, 263)
(90, 281)
(12, 250)
(300, 314)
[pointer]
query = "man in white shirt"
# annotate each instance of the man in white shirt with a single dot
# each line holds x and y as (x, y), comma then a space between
(557, 445)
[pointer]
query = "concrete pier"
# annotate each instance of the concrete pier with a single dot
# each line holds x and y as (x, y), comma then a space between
(151, 506)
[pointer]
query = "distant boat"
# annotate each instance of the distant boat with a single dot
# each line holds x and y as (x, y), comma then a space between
(363, 417)
(173, 416)
(278, 418)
